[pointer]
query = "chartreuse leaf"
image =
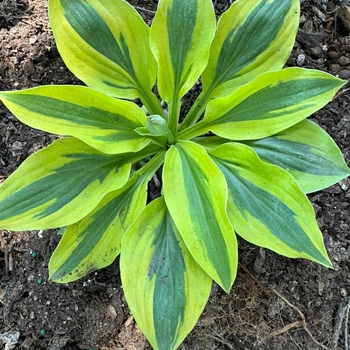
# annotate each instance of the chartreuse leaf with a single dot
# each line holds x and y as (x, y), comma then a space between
(269, 104)
(267, 207)
(102, 122)
(171, 289)
(307, 152)
(105, 44)
(94, 242)
(181, 34)
(59, 185)
(253, 37)
(195, 192)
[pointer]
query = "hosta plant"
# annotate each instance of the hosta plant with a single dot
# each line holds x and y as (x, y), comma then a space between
(241, 160)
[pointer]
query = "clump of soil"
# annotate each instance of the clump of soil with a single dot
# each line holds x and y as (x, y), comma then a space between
(276, 303)
(11, 11)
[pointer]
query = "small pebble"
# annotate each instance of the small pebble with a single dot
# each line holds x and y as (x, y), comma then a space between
(34, 254)
(27, 343)
(344, 184)
(43, 332)
(30, 278)
(301, 59)
(316, 51)
(33, 39)
(18, 146)
(344, 74)
(343, 292)
(343, 61)
(333, 55)
(39, 281)
(334, 68)
(111, 312)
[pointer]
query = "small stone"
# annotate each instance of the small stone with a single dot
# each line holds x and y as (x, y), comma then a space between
(301, 59)
(30, 278)
(316, 51)
(34, 255)
(334, 68)
(344, 184)
(32, 315)
(39, 281)
(343, 292)
(343, 61)
(111, 312)
(344, 74)
(27, 343)
(33, 39)
(43, 332)
(333, 55)
(18, 146)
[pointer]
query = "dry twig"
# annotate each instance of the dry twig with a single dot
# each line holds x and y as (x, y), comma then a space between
(145, 10)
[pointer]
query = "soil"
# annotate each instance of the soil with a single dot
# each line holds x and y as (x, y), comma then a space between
(275, 303)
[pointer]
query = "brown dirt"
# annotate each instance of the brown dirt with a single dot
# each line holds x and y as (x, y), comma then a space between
(276, 303)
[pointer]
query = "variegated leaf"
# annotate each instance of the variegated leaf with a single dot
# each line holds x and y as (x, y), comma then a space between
(59, 185)
(267, 207)
(181, 35)
(195, 192)
(102, 122)
(253, 37)
(269, 104)
(94, 242)
(105, 44)
(171, 289)
(307, 152)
